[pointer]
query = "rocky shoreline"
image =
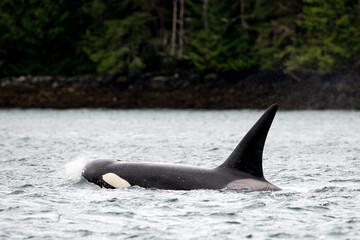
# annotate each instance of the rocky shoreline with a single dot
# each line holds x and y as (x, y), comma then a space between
(297, 90)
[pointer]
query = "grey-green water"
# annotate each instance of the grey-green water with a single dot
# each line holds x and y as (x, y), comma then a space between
(313, 155)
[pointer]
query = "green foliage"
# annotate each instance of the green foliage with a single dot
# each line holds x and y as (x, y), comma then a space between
(118, 48)
(43, 37)
(328, 38)
(119, 44)
(225, 46)
(40, 37)
(275, 24)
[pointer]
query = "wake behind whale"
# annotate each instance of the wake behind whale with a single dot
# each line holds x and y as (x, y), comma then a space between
(242, 169)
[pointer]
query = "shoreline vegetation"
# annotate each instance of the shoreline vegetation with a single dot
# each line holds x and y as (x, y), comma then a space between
(211, 38)
(297, 90)
(182, 54)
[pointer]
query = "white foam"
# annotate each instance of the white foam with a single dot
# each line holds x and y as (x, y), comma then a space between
(74, 168)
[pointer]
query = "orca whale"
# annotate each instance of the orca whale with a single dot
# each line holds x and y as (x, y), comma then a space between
(242, 169)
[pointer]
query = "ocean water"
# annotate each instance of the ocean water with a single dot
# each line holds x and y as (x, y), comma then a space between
(314, 156)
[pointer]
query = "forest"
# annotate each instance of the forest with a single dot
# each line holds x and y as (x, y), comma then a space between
(209, 37)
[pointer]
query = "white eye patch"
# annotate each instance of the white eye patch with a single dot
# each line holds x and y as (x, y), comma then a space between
(115, 181)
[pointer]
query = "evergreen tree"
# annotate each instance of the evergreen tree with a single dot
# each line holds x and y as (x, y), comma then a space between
(41, 37)
(328, 36)
(218, 41)
(124, 36)
(276, 29)
(210, 37)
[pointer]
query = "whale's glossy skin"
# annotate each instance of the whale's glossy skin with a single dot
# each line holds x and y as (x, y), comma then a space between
(242, 170)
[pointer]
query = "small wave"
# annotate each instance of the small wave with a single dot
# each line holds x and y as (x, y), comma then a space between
(330, 189)
(74, 169)
(345, 180)
(294, 189)
(16, 192)
(232, 222)
(295, 208)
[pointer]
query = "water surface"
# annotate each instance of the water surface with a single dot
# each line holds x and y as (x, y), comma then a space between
(312, 155)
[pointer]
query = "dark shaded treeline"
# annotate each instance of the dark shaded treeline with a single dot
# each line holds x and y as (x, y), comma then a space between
(307, 91)
(213, 38)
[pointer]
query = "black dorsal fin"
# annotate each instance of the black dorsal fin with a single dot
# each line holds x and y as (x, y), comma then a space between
(247, 156)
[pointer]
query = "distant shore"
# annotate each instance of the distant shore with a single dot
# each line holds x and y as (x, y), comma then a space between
(340, 90)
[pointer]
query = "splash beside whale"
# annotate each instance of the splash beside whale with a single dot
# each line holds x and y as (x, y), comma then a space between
(242, 169)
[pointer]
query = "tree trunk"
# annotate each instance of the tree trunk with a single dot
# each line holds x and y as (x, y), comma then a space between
(165, 41)
(242, 14)
(181, 31)
(359, 10)
(205, 7)
(173, 35)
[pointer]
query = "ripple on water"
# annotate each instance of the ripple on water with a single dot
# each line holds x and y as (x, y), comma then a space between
(254, 205)
(331, 189)
(297, 209)
(230, 214)
(233, 222)
(172, 200)
(17, 192)
(351, 180)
